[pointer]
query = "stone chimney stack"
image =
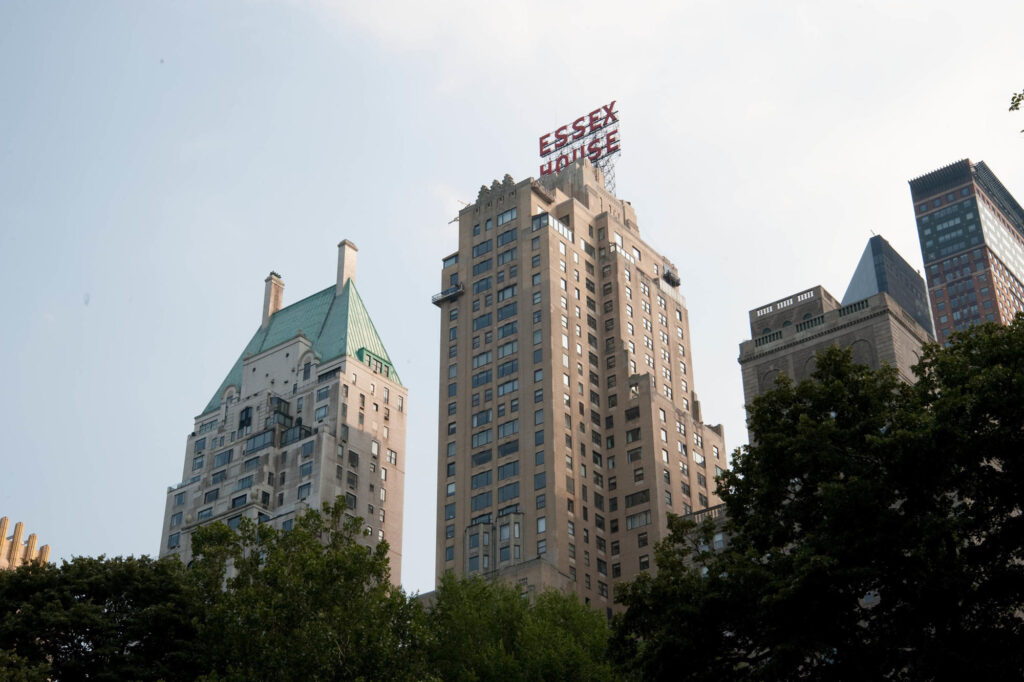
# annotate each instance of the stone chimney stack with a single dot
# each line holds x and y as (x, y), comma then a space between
(346, 264)
(272, 295)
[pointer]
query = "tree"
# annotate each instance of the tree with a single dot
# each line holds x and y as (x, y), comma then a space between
(309, 603)
(100, 619)
(1016, 99)
(491, 631)
(875, 531)
(15, 668)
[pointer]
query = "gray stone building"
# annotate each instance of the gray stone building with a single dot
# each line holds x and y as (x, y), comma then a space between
(787, 334)
(312, 410)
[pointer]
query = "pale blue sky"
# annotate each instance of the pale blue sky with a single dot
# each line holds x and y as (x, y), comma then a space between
(158, 159)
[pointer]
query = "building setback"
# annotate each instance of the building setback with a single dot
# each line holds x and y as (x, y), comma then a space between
(972, 242)
(313, 410)
(568, 423)
(14, 552)
(882, 320)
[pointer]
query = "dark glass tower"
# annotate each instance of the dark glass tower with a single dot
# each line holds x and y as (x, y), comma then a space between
(882, 269)
(972, 241)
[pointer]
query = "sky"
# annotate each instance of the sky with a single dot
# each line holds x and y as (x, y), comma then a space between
(158, 159)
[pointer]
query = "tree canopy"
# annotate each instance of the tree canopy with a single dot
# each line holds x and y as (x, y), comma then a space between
(261, 604)
(874, 531)
(490, 631)
(98, 619)
(309, 603)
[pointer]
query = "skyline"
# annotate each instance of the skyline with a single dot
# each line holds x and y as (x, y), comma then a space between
(160, 162)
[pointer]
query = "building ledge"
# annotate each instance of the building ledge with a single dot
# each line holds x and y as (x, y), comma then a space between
(449, 294)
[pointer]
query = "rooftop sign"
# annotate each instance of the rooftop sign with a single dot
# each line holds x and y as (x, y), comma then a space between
(594, 136)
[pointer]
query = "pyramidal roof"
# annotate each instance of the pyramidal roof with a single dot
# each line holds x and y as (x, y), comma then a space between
(335, 325)
(882, 268)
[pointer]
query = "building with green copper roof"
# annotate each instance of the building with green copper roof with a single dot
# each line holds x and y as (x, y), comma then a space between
(311, 411)
(337, 325)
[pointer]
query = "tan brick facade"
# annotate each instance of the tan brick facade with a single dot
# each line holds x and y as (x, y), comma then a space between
(14, 552)
(569, 426)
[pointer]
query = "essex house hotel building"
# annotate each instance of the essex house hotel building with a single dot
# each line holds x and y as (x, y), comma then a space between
(568, 421)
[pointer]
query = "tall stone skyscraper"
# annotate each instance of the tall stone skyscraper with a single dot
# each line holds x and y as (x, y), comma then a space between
(568, 422)
(972, 242)
(312, 410)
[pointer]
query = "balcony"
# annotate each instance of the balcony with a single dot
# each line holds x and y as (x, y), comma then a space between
(449, 294)
(716, 512)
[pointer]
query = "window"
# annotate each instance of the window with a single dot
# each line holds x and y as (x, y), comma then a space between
(481, 480)
(638, 520)
(508, 428)
(173, 540)
(481, 322)
(508, 492)
(211, 495)
(222, 458)
(304, 490)
(639, 497)
(306, 469)
(506, 311)
(503, 218)
(508, 470)
(482, 248)
(238, 501)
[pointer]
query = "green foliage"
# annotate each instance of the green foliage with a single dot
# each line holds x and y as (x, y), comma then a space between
(307, 604)
(15, 668)
(1016, 99)
(875, 532)
(310, 603)
(101, 619)
(488, 631)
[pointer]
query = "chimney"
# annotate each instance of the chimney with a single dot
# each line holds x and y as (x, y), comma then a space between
(346, 264)
(272, 295)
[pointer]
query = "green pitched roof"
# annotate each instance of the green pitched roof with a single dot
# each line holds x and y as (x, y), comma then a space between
(336, 326)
